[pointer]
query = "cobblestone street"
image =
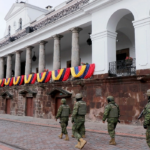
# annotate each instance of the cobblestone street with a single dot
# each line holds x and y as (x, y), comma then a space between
(33, 137)
(7, 147)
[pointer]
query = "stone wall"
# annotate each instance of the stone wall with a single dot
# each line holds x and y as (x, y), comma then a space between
(128, 92)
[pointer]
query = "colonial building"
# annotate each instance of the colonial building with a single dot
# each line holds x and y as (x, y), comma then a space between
(43, 49)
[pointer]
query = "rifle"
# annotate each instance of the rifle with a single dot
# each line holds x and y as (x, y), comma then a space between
(141, 115)
(118, 120)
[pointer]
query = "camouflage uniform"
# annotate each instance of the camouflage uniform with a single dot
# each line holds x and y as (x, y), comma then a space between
(81, 131)
(146, 123)
(78, 118)
(64, 118)
(112, 114)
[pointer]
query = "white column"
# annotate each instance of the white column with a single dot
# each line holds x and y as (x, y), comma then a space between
(142, 44)
(9, 66)
(28, 68)
(1, 67)
(75, 53)
(18, 64)
(103, 50)
(42, 56)
(56, 54)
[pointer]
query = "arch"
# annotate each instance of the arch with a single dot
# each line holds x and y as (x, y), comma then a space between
(116, 17)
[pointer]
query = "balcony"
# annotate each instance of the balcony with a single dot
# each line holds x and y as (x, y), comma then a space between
(122, 68)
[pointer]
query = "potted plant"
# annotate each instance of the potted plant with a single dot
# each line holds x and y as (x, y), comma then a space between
(128, 61)
(84, 63)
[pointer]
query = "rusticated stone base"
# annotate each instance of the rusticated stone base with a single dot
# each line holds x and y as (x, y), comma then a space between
(128, 92)
(143, 72)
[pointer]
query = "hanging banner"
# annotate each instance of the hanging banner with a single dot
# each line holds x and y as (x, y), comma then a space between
(30, 79)
(18, 80)
(2, 81)
(83, 72)
(61, 74)
(44, 77)
(9, 81)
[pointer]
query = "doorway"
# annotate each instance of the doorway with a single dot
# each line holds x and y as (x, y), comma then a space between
(29, 107)
(122, 54)
(7, 106)
(57, 105)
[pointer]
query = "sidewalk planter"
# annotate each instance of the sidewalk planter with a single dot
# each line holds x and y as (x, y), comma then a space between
(9, 81)
(30, 79)
(61, 74)
(83, 72)
(18, 80)
(2, 81)
(43, 77)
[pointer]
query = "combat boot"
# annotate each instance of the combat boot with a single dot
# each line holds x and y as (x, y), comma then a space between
(78, 145)
(82, 143)
(73, 136)
(83, 136)
(60, 136)
(66, 138)
(110, 141)
(113, 142)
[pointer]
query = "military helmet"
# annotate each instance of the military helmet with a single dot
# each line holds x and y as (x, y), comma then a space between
(110, 98)
(63, 101)
(78, 96)
(148, 92)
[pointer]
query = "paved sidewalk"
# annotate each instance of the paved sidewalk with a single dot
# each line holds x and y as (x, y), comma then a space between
(98, 127)
(35, 137)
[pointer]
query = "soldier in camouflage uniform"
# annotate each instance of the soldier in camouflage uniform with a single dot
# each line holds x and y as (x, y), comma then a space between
(82, 132)
(78, 120)
(63, 113)
(112, 114)
(146, 123)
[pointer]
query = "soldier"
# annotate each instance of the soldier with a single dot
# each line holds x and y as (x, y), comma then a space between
(146, 114)
(63, 114)
(78, 119)
(112, 114)
(82, 132)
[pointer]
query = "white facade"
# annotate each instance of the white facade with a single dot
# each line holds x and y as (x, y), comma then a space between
(113, 24)
(26, 12)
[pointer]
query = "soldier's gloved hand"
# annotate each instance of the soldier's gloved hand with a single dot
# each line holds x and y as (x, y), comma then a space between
(145, 126)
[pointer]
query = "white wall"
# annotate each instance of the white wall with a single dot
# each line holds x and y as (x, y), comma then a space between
(27, 14)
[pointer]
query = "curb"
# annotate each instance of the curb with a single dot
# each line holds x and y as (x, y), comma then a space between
(13, 145)
(87, 130)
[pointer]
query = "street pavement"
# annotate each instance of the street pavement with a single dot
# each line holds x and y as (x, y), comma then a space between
(7, 147)
(24, 136)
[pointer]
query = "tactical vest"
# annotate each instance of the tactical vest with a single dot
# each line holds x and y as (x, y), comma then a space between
(65, 111)
(82, 108)
(147, 108)
(113, 112)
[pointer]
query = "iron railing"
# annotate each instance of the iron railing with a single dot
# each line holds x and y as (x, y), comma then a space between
(122, 68)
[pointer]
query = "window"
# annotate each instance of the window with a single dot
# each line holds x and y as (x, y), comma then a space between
(20, 23)
(14, 24)
(9, 30)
